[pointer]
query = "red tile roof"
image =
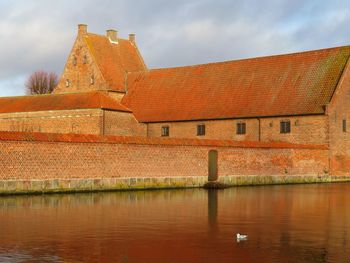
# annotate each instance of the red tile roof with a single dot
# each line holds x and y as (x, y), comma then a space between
(89, 138)
(115, 59)
(68, 101)
(292, 84)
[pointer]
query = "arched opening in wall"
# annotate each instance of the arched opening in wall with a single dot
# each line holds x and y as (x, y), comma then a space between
(212, 165)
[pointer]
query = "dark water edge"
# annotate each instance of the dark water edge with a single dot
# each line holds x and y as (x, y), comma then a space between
(287, 223)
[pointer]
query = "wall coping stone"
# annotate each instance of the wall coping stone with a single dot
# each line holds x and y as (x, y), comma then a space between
(90, 138)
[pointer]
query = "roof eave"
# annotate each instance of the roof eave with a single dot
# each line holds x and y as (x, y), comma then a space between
(235, 118)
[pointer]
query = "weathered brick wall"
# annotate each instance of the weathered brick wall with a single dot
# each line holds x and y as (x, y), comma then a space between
(339, 141)
(70, 121)
(304, 130)
(93, 121)
(122, 123)
(79, 69)
(218, 129)
(33, 159)
(273, 161)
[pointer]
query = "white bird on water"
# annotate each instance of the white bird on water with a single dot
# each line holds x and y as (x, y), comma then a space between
(241, 237)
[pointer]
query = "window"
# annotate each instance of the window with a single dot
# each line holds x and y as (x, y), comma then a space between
(200, 130)
(74, 61)
(85, 59)
(165, 131)
(285, 127)
(67, 82)
(92, 80)
(344, 125)
(240, 129)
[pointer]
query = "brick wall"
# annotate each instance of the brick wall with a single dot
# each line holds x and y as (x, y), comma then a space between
(70, 121)
(27, 157)
(218, 129)
(79, 69)
(339, 141)
(304, 129)
(122, 123)
(93, 121)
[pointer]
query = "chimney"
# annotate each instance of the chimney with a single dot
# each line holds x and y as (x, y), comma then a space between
(82, 29)
(132, 38)
(112, 35)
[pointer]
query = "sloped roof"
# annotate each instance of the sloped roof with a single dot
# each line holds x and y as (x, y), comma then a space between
(115, 59)
(292, 84)
(67, 101)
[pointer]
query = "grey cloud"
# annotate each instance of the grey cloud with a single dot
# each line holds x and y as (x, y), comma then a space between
(39, 34)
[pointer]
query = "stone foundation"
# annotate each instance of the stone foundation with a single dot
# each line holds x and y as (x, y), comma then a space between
(8, 187)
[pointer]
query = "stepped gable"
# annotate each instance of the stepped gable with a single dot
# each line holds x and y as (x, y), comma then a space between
(283, 85)
(115, 59)
(67, 101)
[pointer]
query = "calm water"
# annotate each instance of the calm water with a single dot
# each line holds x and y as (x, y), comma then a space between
(304, 223)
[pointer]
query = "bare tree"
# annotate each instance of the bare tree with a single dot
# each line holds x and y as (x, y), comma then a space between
(41, 82)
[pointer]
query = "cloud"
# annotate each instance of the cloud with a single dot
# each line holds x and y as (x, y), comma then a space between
(38, 34)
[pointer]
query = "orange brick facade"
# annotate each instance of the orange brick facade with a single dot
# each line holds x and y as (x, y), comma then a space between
(121, 123)
(339, 137)
(26, 157)
(304, 129)
(80, 73)
(72, 121)
(94, 121)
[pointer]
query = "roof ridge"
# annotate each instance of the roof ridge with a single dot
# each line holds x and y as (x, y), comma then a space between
(102, 96)
(49, 94)
(104, 36)
(253, 58)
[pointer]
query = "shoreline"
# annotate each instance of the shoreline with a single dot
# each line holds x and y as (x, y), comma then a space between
(48, 186)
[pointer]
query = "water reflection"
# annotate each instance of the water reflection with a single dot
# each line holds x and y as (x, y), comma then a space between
(212, 207)
(305, 223)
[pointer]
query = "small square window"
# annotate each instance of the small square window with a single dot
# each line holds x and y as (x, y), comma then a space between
(241, 128)
(200, 130)
(344, 125)
(165, 131)
(285, 127)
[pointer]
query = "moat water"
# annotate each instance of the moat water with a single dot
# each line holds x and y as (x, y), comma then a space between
(294, 223)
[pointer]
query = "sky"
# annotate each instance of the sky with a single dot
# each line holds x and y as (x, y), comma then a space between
(38, 34)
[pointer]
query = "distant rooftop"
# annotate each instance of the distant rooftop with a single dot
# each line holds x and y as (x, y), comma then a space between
(66, 101)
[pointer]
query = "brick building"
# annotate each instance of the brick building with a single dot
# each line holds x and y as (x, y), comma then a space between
(107, 89)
